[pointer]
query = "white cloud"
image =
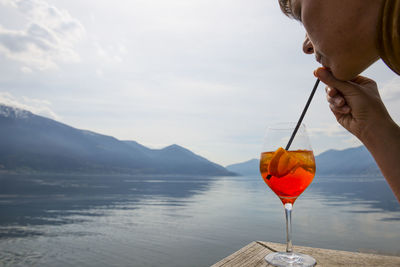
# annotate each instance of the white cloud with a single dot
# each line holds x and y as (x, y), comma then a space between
(37, 106)
(352, 141)
(110, 53)
(205, 74)
(390, 91)
(329, 130)
(331, 136)
(48, 38)
(25, 69)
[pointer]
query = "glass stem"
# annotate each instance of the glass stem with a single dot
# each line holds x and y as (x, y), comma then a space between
(288, 213)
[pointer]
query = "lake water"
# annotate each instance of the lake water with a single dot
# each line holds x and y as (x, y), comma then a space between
(57, 220)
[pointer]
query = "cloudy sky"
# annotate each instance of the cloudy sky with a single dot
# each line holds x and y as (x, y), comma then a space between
(209, 75)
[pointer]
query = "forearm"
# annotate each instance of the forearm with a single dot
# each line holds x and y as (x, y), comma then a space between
(358, 107)
(383, 142)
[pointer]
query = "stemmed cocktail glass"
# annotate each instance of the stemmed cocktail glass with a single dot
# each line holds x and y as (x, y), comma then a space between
(287, 173)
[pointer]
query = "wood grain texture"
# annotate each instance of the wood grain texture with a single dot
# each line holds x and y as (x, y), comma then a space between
(253, 255)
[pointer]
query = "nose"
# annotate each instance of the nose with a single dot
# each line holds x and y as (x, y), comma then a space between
(308, 47)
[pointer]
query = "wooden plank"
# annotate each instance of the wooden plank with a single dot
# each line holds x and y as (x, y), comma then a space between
(253, 255)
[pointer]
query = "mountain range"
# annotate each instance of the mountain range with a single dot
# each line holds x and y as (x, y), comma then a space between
(33, 144)
(352, 161)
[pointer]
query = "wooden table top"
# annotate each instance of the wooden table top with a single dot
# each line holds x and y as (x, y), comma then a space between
(253, 255)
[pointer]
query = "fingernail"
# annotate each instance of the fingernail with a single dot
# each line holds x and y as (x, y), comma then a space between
(318, 72)
(338, 101)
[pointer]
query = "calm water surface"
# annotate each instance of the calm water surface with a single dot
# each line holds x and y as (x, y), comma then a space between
(182, 221)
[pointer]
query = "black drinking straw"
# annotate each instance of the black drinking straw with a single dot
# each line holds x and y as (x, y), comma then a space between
(300, 119)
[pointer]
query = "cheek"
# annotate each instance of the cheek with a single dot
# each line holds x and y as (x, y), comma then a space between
(329, 42)
(323, 27)
(315, 33)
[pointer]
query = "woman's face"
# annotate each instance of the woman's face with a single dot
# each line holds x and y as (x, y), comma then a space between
(342, 34)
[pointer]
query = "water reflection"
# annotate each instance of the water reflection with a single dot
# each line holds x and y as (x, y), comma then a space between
(173, 221)
(68, 199)
(372, 192)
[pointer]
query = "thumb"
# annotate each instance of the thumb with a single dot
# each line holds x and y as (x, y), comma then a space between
(327, 77)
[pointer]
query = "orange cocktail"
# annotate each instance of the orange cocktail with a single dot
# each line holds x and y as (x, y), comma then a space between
(287, 173)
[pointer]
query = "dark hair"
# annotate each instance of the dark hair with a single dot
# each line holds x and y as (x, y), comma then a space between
(286, 8)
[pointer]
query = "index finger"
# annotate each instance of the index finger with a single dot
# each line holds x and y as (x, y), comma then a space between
(330, 91)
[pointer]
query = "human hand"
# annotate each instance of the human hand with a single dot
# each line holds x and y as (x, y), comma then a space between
(356, 104)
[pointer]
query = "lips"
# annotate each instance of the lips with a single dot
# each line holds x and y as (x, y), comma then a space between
(319, 59)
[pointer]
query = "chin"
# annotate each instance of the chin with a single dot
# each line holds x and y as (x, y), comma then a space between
(342, 74)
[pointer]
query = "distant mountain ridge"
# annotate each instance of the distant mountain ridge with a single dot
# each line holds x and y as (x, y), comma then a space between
(351, 161)
(32, 143)
(355, 161)
(250, 167)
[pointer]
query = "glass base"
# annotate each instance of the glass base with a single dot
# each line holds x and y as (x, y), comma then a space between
(283, 259)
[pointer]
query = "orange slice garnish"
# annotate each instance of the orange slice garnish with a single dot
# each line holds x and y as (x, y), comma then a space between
(282, 163)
